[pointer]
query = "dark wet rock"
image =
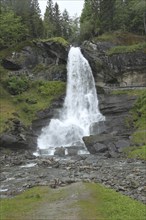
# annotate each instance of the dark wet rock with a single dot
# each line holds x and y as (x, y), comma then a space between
(40, 60)
(11, 141)
(72, 151)
(8, 64)
(97, 127)
(98, 143)
(121, 69)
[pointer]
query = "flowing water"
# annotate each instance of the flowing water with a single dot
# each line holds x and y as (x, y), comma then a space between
(80, 109)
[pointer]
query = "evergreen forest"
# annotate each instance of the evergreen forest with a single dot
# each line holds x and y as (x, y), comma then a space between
(22, 20)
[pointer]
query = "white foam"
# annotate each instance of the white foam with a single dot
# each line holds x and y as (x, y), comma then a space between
(80, 108)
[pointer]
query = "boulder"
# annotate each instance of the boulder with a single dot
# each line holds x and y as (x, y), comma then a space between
(12, 141)
(59, 151)
(121, 144)
(72, 151)
(98, 143)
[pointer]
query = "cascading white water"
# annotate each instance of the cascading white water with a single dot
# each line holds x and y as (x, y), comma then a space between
(80, 108)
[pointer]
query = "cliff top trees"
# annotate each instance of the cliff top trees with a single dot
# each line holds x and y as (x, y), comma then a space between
(99, 16)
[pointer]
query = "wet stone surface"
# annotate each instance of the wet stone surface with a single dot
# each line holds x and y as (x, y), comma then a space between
(21, 171)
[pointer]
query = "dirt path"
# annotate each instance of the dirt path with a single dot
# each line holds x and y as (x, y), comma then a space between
(64, 208)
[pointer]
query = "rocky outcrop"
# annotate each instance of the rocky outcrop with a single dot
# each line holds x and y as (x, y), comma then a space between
(113, 135)
(18, 137)
(39, 60)
(122, 69)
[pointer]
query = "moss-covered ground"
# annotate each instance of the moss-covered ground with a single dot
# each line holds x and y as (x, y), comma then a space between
(125, 42)
(59, 40)
(80, 201)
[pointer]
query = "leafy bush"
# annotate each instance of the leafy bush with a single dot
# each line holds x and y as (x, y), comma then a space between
(16, 85)
(136, 152)
(51, 88)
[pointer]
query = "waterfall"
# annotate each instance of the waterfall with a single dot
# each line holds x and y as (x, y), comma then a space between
(80, 109)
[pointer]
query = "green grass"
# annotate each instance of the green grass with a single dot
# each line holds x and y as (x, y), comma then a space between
(121, 38)
(92, 201)
(24, 204)
(136, 152)
(107, 204)
(127, 49)
(131, 92)
(38, 97)
(125, 42)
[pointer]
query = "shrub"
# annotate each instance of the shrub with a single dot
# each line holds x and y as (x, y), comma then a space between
(16, 85)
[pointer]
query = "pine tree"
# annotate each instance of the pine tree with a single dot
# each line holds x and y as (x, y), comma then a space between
(107, 10)
(49, 19)
(12, 29)
(86, 22)
(57, 21)
(66, 25)
(36, 21)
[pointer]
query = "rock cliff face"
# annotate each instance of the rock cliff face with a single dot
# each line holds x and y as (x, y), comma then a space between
(124, 69)
(47, 61)
(114, 134)
(39, 60)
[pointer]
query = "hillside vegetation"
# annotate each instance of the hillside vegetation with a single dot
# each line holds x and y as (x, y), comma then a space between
(22, 99)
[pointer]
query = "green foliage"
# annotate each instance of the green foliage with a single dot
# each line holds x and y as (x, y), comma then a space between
(51, 89)
(136, 152)
(139, 120)
(12, 29)
(38, 68)
(103, 16)
(66, 25)
(7, 109)
(38, 96)
(132, 92)
(121, 38)
(127, 49)
(16, 85)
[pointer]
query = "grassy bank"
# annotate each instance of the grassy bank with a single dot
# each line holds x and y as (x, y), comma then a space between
(127, 49)
(81, 201)
(38, 96)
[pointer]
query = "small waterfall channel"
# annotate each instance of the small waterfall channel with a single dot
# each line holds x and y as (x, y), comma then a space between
(79, 112)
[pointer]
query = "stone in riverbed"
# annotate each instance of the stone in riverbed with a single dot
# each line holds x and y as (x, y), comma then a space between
(98, 143)
(59, 151)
